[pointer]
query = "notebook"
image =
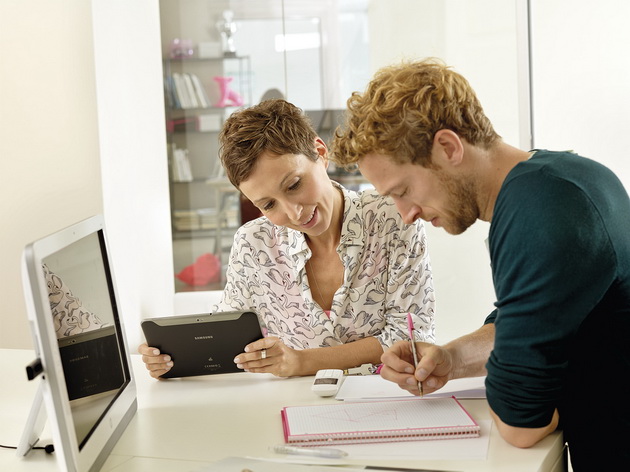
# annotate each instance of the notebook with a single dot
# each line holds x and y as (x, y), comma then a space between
(377, 421)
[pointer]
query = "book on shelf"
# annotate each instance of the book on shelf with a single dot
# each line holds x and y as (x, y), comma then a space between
(185, 90)
(181, 90)
(169, 93)
(181, 169)
(190, 89)
(200, 92)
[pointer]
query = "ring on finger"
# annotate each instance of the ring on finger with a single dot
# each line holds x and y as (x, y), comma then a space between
(263, 354)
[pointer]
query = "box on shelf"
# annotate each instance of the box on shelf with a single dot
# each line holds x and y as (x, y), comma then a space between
(209, 49)
(209, 123)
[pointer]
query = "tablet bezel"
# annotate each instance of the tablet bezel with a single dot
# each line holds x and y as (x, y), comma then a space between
(190, 339)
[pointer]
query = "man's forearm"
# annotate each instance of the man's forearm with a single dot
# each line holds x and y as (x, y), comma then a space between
(470, 352)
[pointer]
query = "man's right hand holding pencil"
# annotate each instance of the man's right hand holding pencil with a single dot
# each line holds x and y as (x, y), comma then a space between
(463, 357)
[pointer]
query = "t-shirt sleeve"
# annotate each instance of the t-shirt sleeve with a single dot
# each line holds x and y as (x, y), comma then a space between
(551, 263)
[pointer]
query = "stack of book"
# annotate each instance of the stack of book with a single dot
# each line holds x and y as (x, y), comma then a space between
(195, 219)
(208, 218)
(232, 217)
(184, 91)
(186, 220)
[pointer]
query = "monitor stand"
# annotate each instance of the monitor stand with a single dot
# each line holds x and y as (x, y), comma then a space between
(34, 424)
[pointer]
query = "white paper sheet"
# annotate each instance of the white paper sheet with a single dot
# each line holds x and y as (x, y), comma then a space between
(369, 387)
(440, 449)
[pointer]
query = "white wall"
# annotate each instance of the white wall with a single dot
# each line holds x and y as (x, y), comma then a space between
(49, 152)
(581, 79)
(58, 117)
(130, 104)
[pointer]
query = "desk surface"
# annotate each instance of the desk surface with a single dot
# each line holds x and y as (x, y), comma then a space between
(185, 424)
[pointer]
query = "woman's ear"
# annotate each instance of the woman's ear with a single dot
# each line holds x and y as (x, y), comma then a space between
(448, 147)
(322, 150)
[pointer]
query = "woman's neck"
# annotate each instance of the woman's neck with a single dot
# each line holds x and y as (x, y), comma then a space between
(329, 240)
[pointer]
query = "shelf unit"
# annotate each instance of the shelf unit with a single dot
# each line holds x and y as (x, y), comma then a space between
(205, 207)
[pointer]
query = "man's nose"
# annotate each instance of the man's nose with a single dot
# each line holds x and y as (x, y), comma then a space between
(408, 212)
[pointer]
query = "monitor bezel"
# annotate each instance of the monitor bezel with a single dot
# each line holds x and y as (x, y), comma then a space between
(97, 447)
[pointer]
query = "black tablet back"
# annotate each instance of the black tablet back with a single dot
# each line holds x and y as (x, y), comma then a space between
(202, 344)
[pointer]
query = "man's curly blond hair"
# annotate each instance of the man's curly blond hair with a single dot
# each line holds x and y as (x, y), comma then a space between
(402, 109)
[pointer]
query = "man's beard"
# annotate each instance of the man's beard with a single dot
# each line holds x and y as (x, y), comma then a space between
(464, 210)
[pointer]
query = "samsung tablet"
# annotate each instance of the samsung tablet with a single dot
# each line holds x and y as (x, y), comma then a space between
(202, 344)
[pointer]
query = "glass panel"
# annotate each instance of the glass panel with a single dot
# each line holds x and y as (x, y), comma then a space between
(206, 78)
(315, 54)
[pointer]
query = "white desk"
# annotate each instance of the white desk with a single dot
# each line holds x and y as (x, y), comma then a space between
(186, 424)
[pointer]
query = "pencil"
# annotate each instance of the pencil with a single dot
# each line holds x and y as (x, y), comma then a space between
(413, 350)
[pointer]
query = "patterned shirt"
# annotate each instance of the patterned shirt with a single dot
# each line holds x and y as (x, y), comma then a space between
(69, 315)
(387, 273)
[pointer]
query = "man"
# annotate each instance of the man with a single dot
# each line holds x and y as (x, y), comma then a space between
(559, 242)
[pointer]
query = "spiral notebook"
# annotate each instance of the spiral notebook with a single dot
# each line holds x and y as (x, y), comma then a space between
(377, 421)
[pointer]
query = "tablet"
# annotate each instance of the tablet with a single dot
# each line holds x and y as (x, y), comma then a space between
(202, 344)
(91, 363)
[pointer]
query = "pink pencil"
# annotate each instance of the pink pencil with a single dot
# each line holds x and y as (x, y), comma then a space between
(413, 349)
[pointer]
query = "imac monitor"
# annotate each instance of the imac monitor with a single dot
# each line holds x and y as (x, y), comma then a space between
(87, 384)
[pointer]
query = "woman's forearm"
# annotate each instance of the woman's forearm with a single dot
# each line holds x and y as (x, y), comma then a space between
(364, 351)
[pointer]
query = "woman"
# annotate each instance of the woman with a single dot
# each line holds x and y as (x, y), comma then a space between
(330, 272)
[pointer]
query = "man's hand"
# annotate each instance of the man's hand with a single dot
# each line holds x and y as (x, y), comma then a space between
(434, 366)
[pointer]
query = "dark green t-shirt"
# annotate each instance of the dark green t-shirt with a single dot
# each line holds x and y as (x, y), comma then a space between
(560, 252)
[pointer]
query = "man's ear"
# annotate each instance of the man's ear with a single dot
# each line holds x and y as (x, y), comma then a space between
(448, 147)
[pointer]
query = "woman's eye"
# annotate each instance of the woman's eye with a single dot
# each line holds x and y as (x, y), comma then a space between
(296, 185)
(267, 206)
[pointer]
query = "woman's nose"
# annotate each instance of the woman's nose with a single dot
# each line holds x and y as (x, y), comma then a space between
(293, 211)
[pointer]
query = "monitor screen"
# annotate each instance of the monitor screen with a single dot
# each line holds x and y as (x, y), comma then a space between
(87, 383)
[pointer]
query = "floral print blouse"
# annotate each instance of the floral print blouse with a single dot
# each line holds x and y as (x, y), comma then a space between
(387, 274)
(69, 315)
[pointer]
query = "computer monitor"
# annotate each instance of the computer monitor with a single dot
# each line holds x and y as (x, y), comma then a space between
(87, 384)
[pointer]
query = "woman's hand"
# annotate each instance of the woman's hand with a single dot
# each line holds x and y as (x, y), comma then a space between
(270, 355)
(156, 363)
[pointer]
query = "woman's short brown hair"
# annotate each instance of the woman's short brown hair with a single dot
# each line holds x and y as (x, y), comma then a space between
(402, 109)
(274, 126)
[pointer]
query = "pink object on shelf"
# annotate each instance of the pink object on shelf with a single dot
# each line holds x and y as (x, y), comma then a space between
(181, 48)
(205, 270)
(228, 96)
